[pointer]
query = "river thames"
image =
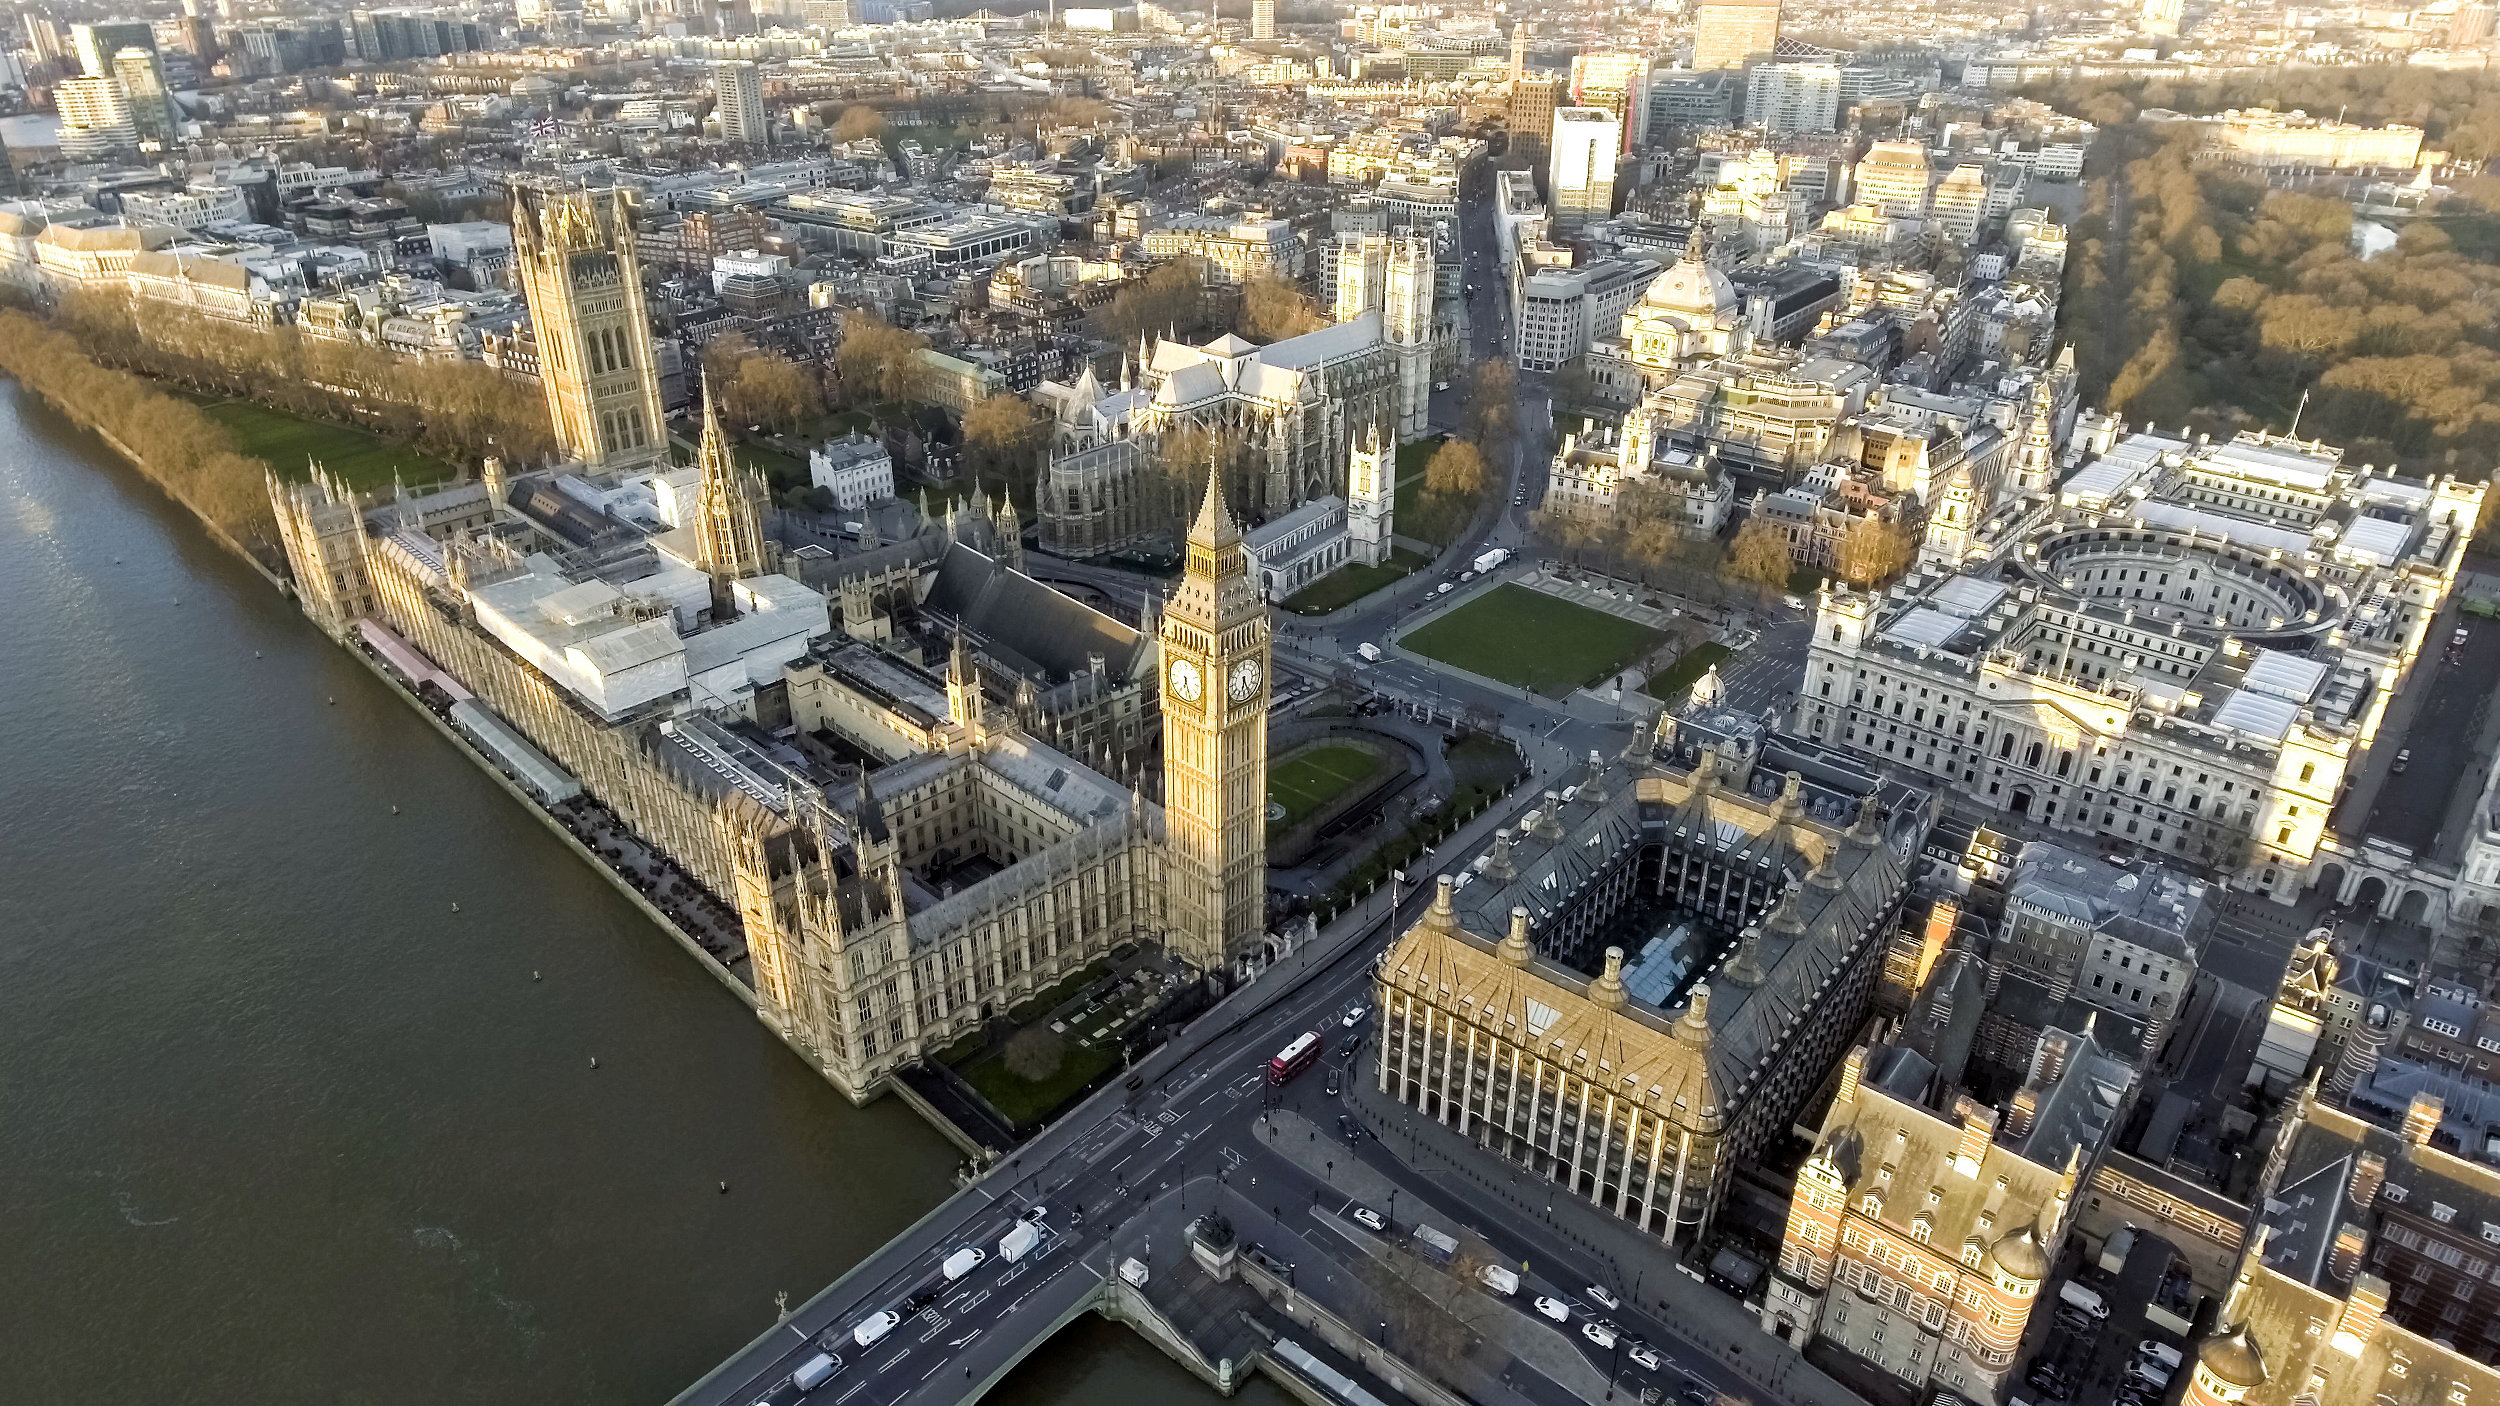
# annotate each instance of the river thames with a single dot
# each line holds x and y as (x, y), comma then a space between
(278, 1124)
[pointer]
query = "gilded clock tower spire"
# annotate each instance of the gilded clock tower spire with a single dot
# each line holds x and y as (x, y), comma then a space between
(1215, 693)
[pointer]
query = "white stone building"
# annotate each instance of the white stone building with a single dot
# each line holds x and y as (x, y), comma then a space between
(2184, 654)
(856, 469)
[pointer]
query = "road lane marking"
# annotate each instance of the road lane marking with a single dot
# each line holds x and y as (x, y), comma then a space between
(892, 1362)
(856, 1388)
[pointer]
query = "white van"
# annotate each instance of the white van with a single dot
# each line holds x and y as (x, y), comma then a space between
(2083, 1300)
(2169, 1357)
(816, 1371)
(878, 1325)
(1019, 1241)
(963, 1262)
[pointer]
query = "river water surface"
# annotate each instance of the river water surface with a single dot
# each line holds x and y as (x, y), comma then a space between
(276, 1123)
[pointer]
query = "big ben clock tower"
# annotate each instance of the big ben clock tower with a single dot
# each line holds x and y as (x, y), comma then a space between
(1215, 691)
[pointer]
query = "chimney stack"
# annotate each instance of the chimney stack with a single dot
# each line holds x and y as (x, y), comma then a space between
(1978, 1126)
(2344, 1261)
(2422, 1118)
(1851, 1070)
(2368, 1174)
(2363, 1308)
(2022, 1112)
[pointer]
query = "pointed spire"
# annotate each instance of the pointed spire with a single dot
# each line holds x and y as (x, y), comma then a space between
(1215, 526)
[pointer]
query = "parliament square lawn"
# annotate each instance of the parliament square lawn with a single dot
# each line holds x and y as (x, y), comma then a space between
(1313, 776)
(1531, 640)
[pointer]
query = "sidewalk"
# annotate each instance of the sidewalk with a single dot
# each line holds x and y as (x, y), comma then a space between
(1531, 1207)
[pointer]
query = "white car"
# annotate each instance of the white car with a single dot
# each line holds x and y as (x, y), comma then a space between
(1553, 1308)
(1355, 1015)
(867, 1334)
(1598, 1296)
(1370, 1220)
(1033, 1214)
(1642, 1357)
(1598, 1333)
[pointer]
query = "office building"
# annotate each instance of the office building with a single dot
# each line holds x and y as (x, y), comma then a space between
(2185, 655)
(2386, 1216)
(1581, 171)
(153, 117)
(96, 44)
(1262, 19)
(1759, 880)
(1562, 311)
(1691, 100)
(739, 87)
(95, 118)
(1726, 33)
(1892, 177)
(2161, 16)
(1619, 83)
(1533, 101)
(1788, 98)
(1920, 1237)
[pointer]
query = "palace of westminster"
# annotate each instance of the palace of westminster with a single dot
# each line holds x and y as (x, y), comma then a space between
(918, 775)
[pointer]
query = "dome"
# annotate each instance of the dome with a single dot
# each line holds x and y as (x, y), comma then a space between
(2020, 1255)
(1694, 289)
(2233, 1356)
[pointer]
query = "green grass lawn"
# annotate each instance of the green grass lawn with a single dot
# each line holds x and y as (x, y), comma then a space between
(1533, 640)
(289, 446)
(1348, 584)
(1026, 1101)
(1306, 780)
(1670, 682)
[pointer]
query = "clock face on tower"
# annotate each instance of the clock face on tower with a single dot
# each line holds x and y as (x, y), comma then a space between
(1244, 683)
(1185, 682)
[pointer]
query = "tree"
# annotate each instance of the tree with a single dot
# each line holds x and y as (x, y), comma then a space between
(1760, 555)
(1035, 1053)
(1874, 551)
(1455, 469)
(1272, 309)
(756, 387)
(858, 121)
(1163, 301)
(1003, 439)
(877, 360)
(1489, 414)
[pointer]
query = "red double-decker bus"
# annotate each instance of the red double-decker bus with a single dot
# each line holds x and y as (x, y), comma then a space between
(1294, 1058)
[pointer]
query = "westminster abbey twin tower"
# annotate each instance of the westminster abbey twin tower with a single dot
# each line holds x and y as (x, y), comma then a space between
(928, 785)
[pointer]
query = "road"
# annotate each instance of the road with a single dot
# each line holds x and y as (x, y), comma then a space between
(2412, 807)
(1124, 1164)
(1121, 1168)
